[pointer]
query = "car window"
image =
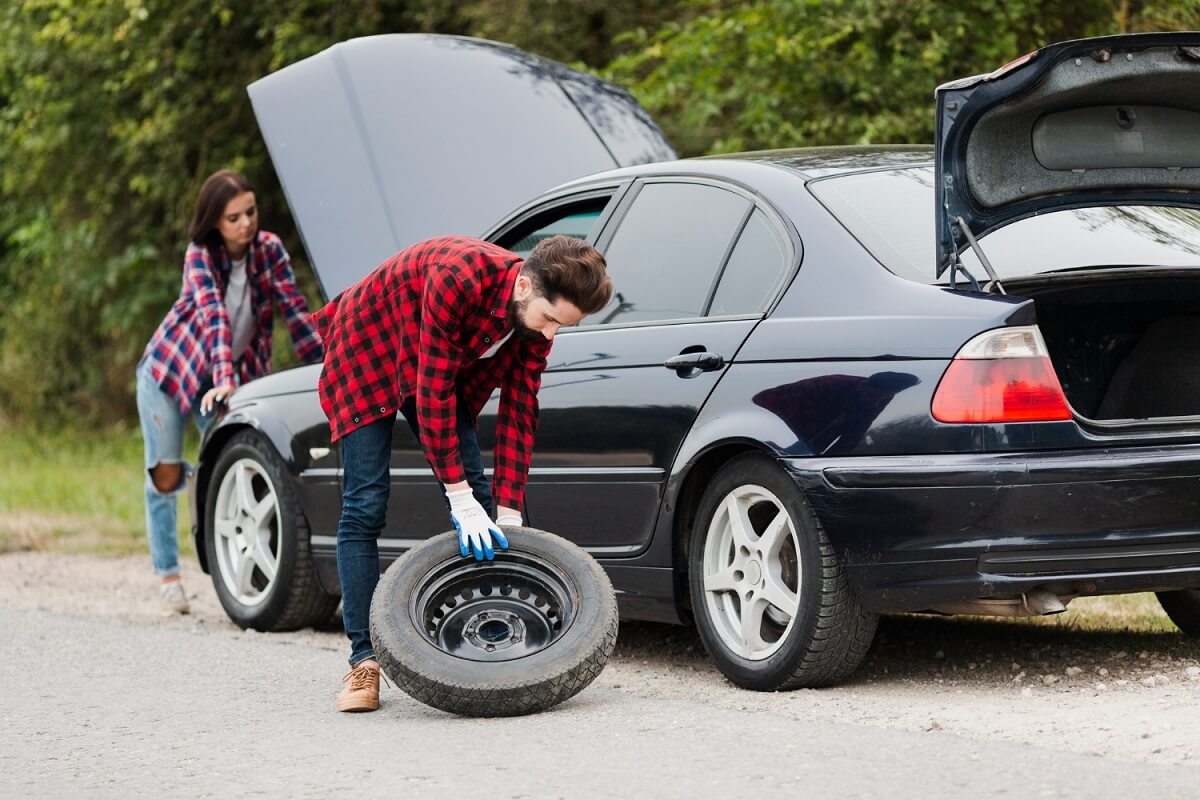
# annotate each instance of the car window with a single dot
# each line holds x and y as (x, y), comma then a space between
(578, 224)
(665, 255)
(755, 267)
(891, 213)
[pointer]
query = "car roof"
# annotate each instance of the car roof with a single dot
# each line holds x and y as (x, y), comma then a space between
(807, 162)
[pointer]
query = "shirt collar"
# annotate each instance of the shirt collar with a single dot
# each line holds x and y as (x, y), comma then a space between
(507, 289)
(226, 261)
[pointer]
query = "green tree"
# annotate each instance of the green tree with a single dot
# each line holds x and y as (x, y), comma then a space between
(790, 73)
(113, 113)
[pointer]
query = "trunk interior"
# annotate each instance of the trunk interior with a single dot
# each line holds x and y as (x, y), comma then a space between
(1125, 346)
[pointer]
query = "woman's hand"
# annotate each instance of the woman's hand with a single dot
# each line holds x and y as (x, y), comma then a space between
(213, 396)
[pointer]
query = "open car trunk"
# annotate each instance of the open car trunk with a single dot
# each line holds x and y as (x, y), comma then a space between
(1125, 343)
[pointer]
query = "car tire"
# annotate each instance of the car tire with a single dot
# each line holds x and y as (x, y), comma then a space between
(512, 636)
(1183, 607)
(257, 541)
(758, 547)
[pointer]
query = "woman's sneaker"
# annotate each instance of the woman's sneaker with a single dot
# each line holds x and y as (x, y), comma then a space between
(172, 599)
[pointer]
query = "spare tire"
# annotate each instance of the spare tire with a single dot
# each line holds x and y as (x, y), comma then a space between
(500, 638)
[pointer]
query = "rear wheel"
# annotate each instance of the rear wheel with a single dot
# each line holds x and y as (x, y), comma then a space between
(257, 542)
(1183, 607)
(771, 600)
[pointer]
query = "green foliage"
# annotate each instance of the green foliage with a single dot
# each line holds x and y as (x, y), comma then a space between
(113, 114)
(791, 73)
(580, 32)
(114, 111)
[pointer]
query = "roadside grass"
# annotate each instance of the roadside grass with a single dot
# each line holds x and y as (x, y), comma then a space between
(1119, 613)
(81, 492)
(78, 491)
(1131, 613)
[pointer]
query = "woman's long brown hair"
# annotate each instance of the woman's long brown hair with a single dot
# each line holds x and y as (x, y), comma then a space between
(215, 194)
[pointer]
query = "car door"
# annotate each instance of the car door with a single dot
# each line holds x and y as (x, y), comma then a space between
(613, 414)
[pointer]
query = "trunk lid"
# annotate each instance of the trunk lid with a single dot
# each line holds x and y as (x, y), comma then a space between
(1093, 122)
(382, 141)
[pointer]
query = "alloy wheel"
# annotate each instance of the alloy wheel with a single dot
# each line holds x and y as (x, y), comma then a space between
(247, 532)
(751, 572)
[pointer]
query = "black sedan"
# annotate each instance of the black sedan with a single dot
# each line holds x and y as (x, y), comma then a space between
(817, 396)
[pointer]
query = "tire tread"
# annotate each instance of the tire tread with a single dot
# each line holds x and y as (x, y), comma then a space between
(843, 633)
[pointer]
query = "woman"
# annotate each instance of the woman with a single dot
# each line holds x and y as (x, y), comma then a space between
(216, 336)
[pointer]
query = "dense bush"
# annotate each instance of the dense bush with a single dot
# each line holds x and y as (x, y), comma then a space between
(791, 73)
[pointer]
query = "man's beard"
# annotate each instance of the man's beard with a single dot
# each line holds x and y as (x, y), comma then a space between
(516, 310)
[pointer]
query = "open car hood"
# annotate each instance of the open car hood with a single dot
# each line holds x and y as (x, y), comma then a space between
(383, 141)
(1092, 122)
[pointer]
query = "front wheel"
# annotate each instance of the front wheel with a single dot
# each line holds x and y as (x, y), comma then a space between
(772, 602)
(257, 542)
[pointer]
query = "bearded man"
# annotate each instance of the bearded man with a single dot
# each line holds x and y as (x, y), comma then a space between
(430, 334)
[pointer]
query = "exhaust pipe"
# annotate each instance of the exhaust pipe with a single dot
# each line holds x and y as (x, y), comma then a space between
(1034, 603)
(1041, 602)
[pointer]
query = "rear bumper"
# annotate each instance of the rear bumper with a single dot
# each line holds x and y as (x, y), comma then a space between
(916, 532)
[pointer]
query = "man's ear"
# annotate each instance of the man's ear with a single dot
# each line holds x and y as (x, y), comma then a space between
(524, 288)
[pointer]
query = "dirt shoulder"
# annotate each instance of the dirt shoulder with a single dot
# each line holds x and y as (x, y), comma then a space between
(1127, 696)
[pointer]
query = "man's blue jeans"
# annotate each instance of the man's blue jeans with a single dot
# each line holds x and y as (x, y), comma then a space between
(366, 483)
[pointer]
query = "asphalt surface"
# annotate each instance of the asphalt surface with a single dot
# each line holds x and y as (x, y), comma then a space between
(101, 707)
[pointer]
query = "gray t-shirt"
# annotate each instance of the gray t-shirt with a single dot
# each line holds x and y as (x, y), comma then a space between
(237, 303)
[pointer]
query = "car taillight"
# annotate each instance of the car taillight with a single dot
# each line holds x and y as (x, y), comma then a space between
(1003, 375)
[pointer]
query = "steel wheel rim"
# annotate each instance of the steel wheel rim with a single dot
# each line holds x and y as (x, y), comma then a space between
(246, 524)
(751, 572)
(501, 610)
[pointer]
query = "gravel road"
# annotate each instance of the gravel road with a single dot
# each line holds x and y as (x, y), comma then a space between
(101, 697)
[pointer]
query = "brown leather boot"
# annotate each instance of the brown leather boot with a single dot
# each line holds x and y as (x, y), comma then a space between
(362, 688)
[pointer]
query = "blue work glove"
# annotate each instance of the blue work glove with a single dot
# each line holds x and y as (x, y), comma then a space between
(475, 528)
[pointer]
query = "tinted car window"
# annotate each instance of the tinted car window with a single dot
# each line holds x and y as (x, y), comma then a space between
(755, 267)
(667, 250)
(891, 213)
(578, 224)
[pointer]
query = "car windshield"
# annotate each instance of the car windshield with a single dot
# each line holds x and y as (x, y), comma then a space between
(891, 213)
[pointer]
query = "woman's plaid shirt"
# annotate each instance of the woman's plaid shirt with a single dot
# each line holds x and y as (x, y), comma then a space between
(419, 324)
(194, 341)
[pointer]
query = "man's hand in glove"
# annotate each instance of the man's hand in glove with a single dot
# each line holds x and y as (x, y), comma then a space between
(475, 528)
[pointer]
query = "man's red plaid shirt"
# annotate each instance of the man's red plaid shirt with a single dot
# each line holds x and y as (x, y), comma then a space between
(419, 324)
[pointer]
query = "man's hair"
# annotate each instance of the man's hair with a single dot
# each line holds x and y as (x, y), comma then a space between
(570, 268)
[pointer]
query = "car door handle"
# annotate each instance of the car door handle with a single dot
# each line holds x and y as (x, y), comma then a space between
(689, 363)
